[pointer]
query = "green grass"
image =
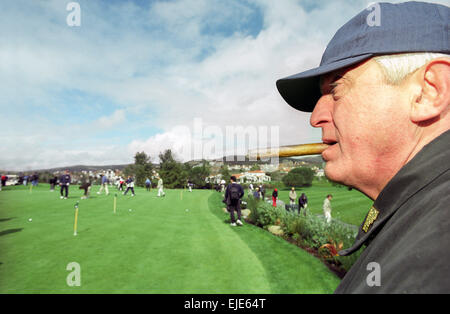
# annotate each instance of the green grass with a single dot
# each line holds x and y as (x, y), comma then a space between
(158, 247)
(348, 206)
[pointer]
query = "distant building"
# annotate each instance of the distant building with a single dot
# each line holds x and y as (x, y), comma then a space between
(12, 179)
(256, 176)
(320, 173)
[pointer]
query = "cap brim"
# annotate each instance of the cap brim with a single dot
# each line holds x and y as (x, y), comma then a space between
(302, 90)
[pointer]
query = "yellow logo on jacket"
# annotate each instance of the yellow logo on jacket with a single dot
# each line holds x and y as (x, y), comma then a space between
(370, 219)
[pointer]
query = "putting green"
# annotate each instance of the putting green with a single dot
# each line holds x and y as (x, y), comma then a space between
(348, 206)
(182, 243)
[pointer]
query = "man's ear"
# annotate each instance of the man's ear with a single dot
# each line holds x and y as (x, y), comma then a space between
(434, 96)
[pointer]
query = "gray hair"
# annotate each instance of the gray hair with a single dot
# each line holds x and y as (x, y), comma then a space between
(397, 67)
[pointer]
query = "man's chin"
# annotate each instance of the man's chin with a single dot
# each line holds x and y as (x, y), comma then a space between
(334, 175)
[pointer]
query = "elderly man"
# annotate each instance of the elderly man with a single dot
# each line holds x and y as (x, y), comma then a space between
(382, 99)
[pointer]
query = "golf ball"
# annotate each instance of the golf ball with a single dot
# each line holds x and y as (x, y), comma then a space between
(129, 210)
(30, 219)
(187, 210)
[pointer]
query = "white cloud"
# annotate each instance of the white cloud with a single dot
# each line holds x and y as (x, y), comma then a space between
(117, 118)
(177, 139)
(152, 63)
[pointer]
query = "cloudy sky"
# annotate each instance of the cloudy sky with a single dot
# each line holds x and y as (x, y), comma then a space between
(151, 75)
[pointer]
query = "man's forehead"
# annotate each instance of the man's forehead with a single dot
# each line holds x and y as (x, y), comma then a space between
(336, 75)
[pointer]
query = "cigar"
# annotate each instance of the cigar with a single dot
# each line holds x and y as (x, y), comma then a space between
(289, 151)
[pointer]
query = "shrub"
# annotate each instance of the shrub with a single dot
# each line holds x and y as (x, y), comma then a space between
(270, 215)
(299, 177)
(263, 214)
(310, 231)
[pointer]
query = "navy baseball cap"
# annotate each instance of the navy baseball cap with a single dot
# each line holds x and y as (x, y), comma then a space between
(402, 28)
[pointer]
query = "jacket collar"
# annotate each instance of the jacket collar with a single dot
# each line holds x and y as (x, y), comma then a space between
(426, 166)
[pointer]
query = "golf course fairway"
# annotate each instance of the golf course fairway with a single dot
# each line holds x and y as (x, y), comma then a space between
(181, 243)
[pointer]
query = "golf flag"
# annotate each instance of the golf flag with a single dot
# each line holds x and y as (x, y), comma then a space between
(76, 219)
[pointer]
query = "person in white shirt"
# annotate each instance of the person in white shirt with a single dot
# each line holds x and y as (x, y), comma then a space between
(292, 197)
(160, 188)
(327, 208)
(250, 189)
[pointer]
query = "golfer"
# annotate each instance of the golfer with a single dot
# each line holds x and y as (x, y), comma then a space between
(148, 184)
(381, 97)
(327, 208)
(86, 186)
(64, 182)
(160, 187)
(104, 184)
(130, 186)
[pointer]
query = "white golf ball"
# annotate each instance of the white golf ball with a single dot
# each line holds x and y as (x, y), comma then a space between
(187, 210)
(30, 219)
(129, 210)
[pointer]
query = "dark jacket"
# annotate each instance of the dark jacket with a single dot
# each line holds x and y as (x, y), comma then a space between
(408, 230)
(303, 201)
(85, 185)
(65, 179)
(228, 193)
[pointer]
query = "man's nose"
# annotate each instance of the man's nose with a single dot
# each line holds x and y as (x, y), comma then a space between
(321, 114)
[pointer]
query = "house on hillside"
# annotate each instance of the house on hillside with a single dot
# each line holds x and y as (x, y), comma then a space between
(320, 173)
(13, 179)
(256, 176)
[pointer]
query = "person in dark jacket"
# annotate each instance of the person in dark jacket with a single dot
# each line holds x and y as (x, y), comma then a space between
(64, 182)
(35, 179)
(53, 182)
(302, 203)
(130, 186)
(86, 186)
(383, 105)
(148, 184)
(233, 194)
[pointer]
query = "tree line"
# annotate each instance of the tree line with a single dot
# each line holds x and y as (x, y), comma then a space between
(174, 173)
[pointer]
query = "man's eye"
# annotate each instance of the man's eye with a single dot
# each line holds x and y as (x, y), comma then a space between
(333, 91)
